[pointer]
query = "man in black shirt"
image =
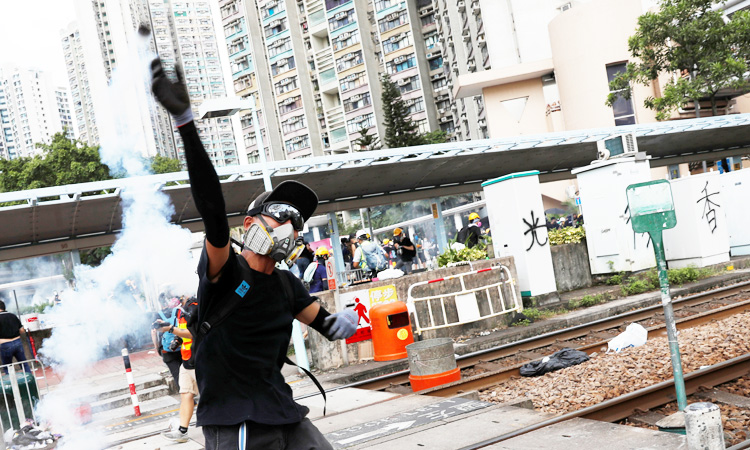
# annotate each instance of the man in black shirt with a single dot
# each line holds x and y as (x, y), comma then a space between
(404, 249)
(10, 338)
(245, 402)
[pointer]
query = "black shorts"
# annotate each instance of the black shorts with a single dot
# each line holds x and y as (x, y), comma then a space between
(295, 436)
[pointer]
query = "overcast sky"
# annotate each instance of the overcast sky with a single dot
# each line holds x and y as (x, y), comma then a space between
(30, 34)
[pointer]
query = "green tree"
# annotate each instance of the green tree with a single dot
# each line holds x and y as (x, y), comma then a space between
(400, 130)
(435, 137)
(163, 164)
(367, 141)
(688, 38)
(93, 257)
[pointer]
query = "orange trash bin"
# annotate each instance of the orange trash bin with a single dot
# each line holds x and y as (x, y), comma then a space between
(391, 330)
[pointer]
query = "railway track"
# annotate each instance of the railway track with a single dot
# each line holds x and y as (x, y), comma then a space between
(500, 363)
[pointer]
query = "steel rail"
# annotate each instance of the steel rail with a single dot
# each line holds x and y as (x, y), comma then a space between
(554, 337)
(623, 406)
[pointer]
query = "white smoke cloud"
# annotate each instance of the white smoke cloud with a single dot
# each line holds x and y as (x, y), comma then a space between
(150, 253)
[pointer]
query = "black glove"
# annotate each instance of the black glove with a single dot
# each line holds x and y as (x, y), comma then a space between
(173, 96)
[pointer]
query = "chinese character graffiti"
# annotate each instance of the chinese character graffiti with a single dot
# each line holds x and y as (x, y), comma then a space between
(534, 225)
(709, 212)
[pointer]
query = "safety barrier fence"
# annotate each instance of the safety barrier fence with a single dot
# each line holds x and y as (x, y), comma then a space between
(466, 301)
(21, 393)
(349, 277)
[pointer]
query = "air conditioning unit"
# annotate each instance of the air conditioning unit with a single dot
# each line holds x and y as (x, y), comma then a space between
(618, 146)
(391, 16)
(340, 15)
(355, 98)
(445, 119)
(565, 6)
(441, 110)
(399, 59)
(402, 81)
(429, 56)
(461, 6)
(481, 41)
(476, 9)
(408, 102)
(466, 37)
(482, 123)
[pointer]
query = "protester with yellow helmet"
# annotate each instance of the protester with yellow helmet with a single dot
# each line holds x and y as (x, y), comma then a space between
(471, 233)
(390, 251)
(318, 276)
(405, 250)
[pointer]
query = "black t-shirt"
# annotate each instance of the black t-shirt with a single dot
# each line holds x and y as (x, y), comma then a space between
(9, 325)
(238, 363)
(406, 254)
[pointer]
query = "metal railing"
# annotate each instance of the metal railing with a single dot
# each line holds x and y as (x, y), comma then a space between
(465, 300)
(20, 390)
(349, 277)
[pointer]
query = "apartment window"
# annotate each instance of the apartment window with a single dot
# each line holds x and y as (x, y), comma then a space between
(279, 46)
(349, 60)
(440, 82)
(408, 84)
(415, 105)
(357, 101)
(359, 122)
(290, 104)
(275, 27)
(282, 65)
(401, 63)
(330, 4)
(345, 40)
(428, 20)
(352, 81)
(293, 124)
(396, 42)
(297, 143)
(243, 82)
(271, 8)
(393, 20)
(234, 27)
(240, 64)
(229, 9)
(238, 45)
(436, 63)
(340, 19)
(285, 85)
(623, 109)
(383, 4)
(430, 40)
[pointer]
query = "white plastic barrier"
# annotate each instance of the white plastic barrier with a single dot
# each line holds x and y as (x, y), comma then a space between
(467, 304)
(19, 399)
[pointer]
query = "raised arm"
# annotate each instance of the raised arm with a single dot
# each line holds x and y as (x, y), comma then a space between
(204, 182)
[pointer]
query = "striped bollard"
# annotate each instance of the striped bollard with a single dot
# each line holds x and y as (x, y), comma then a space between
(131, 384)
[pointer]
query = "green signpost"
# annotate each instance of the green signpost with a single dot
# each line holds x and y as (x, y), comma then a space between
(651, 211)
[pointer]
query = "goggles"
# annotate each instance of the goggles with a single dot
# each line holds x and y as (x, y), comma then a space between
(280, 212)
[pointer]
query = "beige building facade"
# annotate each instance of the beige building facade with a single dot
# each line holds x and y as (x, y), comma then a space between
(563, 85)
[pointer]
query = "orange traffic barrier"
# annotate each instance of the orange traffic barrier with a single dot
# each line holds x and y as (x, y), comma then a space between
(391, 330)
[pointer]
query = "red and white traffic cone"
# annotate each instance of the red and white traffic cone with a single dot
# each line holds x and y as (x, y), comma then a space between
(131, 384)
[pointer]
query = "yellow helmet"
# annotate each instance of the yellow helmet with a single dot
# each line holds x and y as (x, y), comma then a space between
(322, 251)
(397, 231)
(386, 241)
(473, 216)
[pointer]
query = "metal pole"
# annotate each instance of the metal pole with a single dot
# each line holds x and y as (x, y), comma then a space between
(18, 310)
(441, 239)
(338, 258)
(261, 149)
(666, 302)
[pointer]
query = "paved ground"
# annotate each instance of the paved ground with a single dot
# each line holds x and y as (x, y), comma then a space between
(109, 375)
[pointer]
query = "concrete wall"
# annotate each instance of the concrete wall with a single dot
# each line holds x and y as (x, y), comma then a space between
(327, 355)
(584, 41)
(504, 122)
(571, 264)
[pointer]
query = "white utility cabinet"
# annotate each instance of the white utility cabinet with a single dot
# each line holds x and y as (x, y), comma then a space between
(516, 212)
(612, 244)
(701, 236)
(735, 188)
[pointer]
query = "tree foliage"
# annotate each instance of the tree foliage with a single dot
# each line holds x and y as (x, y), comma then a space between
(62, 161)
(163, 164)
(690, 39)
(367, 141)
(400, 130)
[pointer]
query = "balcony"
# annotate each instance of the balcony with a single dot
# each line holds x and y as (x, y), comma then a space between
(335, 117)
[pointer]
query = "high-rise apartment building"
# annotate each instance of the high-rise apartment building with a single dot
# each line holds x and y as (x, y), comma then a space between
(28, 111)
(62, 99)
(315, 67)
(82, 105)
(109, 31)
(184, 33)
